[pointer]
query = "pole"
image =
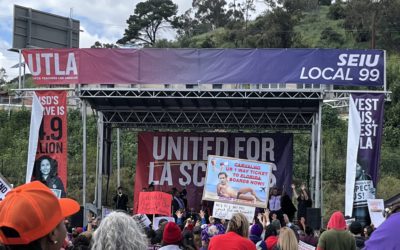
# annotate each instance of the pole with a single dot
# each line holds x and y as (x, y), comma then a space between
(19, 69)
(100, 171)
(84, 161)
(118, 159)
(312, 160)
(318, 182)
(373, 30)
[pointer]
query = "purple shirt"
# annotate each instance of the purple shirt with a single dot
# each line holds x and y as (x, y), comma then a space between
(386, 236)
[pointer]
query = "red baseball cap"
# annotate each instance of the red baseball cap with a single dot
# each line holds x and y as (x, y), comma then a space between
(33, 211)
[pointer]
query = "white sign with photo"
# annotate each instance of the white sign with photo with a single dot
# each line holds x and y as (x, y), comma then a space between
(143, 220)
(376, 208)
(156, 221)
(225, 211)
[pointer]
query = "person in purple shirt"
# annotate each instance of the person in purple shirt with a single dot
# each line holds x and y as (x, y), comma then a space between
(386, 236)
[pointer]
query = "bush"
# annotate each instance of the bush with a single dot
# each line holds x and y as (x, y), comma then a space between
(331, 35)
(325, 2)
(336, 12)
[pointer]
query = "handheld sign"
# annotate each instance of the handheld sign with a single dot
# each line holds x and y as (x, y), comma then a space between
(155, 203)
(226, 210)
(237, 181)
(5, 187)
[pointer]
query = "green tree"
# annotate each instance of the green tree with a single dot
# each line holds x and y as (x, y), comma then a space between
(387, 27)
(187, 26)
(148, 18)
(98, 45)
(336, 11)
(273, 30)
(212, 12)
(358, 19)
(3, 76)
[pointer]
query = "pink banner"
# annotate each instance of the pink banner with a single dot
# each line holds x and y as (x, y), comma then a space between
(72, 66)
(212, 66)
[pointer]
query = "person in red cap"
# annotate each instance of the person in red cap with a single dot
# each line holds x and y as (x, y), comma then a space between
(31, 217)
(236, 236)
(336, 237)
(172, 237)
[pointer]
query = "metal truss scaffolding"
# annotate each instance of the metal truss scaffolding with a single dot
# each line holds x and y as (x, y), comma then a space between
(222, 110)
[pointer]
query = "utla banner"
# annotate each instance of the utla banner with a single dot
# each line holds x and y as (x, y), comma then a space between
(51, 153)
(237, 181)
(226, 210)
(155, 203)
(363, 152)
(215, 66)
(170, 160)
(5, 187)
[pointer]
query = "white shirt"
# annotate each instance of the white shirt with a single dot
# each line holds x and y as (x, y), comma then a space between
(275, 203)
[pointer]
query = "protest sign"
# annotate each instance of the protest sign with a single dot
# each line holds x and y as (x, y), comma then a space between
(237, 181)
(5, 187)
(376, 208)
(156, 221)
(305, 246)
(142, 219)
(225, 211)
(155, 203)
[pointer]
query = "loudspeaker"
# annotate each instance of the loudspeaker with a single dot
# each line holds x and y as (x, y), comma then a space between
(313, 218)
(77, 219)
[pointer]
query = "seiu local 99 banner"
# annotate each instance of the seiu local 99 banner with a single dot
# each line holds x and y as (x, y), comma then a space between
(180, 159)
(51, 155)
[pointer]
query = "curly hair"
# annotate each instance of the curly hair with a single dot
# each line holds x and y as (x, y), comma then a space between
(239, 225)
(119, 231)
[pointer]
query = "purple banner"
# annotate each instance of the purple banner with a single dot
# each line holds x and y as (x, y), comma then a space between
(215, 66)
(370, 108)
(180, 159)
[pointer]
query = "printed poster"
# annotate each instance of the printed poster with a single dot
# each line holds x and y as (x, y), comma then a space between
(237, 181)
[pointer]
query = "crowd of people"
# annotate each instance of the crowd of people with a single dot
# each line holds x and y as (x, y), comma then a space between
(31, 217)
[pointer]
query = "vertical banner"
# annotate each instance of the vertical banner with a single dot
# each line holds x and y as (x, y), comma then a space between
(36, 120)
(51, 154)
(370, 109)
(179, 160)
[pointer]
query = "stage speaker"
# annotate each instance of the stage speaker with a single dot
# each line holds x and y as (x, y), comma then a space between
(76, 220)
(313, 218)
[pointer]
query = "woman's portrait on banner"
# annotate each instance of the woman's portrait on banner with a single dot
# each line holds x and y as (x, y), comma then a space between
(46, 171)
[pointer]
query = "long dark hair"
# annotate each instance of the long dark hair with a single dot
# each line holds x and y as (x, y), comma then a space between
(37, 174)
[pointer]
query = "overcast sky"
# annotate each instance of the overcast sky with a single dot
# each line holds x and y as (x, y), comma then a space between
(100, 20)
